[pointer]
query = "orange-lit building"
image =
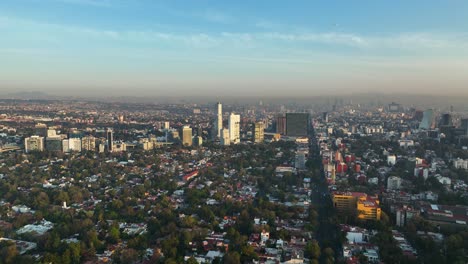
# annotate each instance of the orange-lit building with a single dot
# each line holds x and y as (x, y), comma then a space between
(367, 207)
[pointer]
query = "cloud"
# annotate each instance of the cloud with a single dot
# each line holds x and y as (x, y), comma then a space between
(449, 43)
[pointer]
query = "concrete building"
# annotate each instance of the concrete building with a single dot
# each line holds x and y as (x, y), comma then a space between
(300, 161)
(225, 139)
(71, 144)
(464, 126)
(259, 134)
(234, 128)
(40, 130)
(219, 119)
(198, 141)
(88, 143)
(393, 183)
(34, 143)
(391, 160)
(187, 136)
(281, 124)
(110, 140)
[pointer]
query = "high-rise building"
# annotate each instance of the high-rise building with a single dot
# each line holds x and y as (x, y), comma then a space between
(393, 183)
(259, 134)
(325, 117)
(219, 119)
(445, 120)
(300, 160)
(225, 139)
(53, 143)
(166, 125)
(34, 143)
(110, 139)
(464, 125)
(187, 136)
(427, 120)
(71, 144)
(88, 143)
(297, 124)
(40, 130)
(281, 124)
(234, 128)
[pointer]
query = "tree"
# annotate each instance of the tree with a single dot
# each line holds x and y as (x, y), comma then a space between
(192, 260)
(312, 250)
(232, 258)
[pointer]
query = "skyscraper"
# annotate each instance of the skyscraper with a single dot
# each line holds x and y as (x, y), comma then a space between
(464, 125)
(297, 124)
(259, 134)
(281, 124)
(234, 128)
(427, 120)
(187, 136)
(110, 139)
(219, 119)
(445, 120)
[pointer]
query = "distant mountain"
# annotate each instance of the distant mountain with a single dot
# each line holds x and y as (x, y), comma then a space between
(27, 95)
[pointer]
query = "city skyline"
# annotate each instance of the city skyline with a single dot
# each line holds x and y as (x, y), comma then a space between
(149, 48)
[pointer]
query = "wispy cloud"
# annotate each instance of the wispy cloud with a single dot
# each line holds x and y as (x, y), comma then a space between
(417, 41)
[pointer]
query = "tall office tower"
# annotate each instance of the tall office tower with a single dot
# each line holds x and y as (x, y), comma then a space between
(445, 120)
(88, 143)
(219, 119)
(225, 139)
(281, 124)
(187, 136)
(259, 134)
(33, 143)
(40, 130)
(53, 143)
(71, 144)
(427, 120)
(234, 128)
(325, 117)
(464, 125)
(110, 139)
(297, 124)
(166, 125)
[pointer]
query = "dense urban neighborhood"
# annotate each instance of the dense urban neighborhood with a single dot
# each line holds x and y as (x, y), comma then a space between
(101, 182)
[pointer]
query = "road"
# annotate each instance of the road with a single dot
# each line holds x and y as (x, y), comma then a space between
(328, 232)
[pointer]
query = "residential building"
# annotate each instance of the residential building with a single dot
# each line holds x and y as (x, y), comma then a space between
(88, 143)
(187, 136)
(259, 134)
(34, 143)
(225, 139)
(234, 128)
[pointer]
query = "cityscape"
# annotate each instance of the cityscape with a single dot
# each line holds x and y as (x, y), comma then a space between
(260, 132)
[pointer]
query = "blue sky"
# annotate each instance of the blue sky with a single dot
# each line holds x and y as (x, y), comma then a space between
(150, 47)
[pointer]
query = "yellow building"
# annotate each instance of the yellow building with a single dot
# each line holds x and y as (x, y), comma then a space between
(367, 207)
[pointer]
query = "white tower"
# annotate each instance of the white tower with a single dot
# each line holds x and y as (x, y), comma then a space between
(234, 128)
(219, 119)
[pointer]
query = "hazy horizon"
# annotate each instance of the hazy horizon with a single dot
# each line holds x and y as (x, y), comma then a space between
(262, 48)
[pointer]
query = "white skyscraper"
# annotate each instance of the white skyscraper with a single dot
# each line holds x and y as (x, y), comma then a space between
(219, 119)
(234, 128)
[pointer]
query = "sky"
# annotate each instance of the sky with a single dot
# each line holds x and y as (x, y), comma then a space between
(222, 48)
